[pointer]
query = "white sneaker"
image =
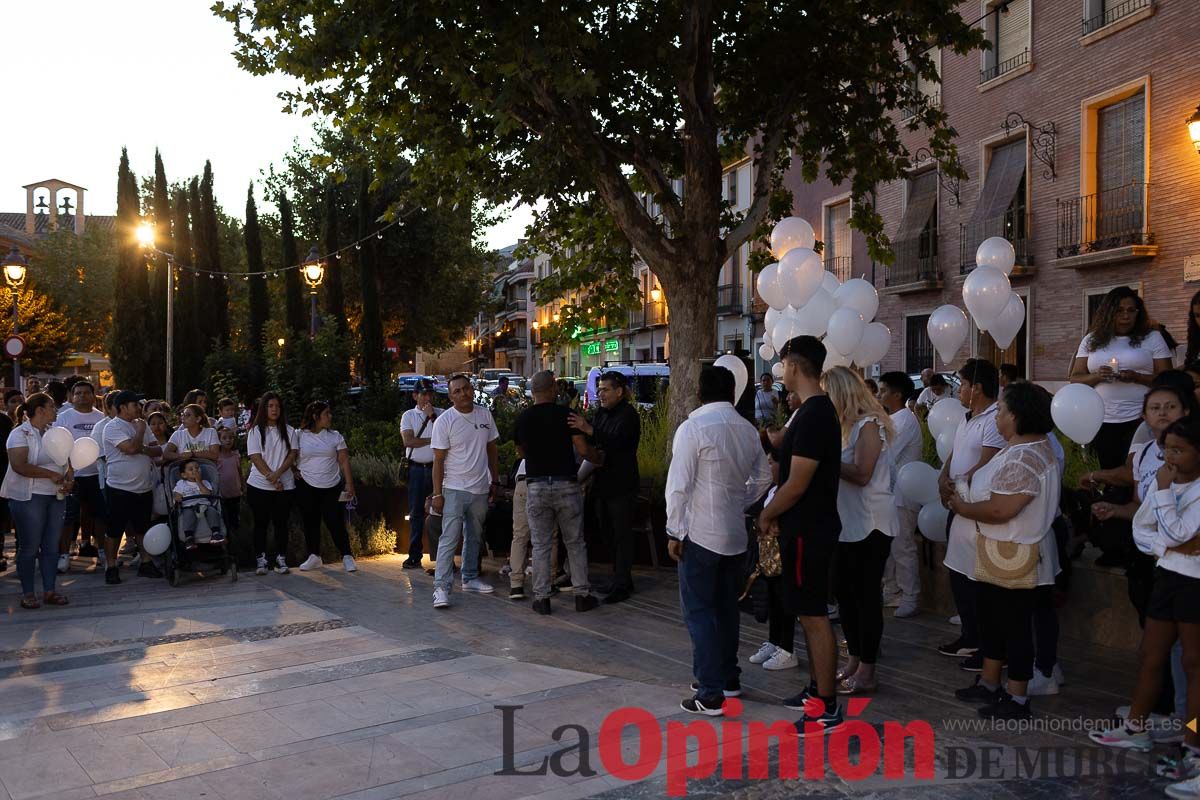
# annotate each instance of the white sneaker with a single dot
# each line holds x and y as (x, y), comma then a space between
(781, 659)
(64, 563)
(1184, 790)
(1041, 684)
(956, 620)
(476, 585)
(281, 565)
(907, 608)
(348, 564)
(312, 562)
(1059, 677)
(260, 564)
(441, 598)
(766, 651)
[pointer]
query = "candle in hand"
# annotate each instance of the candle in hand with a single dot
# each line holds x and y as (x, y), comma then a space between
(1115, 366)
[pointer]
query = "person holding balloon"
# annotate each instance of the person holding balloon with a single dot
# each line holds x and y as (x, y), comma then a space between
(86, 504)
(35, 486)
(128, 450)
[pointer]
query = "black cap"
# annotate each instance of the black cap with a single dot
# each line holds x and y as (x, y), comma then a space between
(425, 385)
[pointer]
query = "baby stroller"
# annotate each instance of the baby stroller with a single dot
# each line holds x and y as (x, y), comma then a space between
(205, 556)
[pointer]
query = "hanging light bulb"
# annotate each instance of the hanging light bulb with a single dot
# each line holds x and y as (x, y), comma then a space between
(338, 255)
(358, 246)
(379, 236)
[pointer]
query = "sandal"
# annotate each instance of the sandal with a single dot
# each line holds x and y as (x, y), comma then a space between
(30, 601)
(852, 686)
(844, 673)
(55, 599)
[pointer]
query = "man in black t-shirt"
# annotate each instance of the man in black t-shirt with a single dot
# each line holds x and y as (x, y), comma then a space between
(549, 446)
(803, 514)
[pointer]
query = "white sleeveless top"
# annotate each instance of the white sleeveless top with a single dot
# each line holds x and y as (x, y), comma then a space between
(872, 507)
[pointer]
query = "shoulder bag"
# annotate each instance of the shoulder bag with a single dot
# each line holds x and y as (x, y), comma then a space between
(406, 462)
(1009, 565)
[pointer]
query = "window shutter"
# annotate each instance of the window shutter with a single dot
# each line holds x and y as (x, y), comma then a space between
(922, 198)
(1121, 144)
(1012, 36)
(1004, 175)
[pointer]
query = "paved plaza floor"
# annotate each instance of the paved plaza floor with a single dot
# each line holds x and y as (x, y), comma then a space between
(336, 685)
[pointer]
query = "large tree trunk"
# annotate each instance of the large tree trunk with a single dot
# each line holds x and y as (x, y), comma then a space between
(692, 305)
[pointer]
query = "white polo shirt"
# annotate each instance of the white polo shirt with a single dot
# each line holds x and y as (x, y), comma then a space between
(971, 437)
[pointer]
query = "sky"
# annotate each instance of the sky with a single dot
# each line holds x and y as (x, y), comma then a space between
(88, 77)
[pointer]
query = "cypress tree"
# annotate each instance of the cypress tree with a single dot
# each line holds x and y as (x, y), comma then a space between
(156, 318)
(188, 341)
(335, 296)
(217, 310)
(260, 304)
(372, 326)
(129, 311)
(294, 307)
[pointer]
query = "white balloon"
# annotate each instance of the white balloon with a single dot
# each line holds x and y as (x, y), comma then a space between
(830, 282)
(777, 370)
(876, 340)
(932, 520)
(996, 252)
(860, 295)
(770, 319)
(947, 329)
(985, 293)
(846, 327)
(766, 352)
(785, 330)
(1078, 411)
(917, 483)
(814, 317)
(945, 443)
(157, 539)
(768, 287)
(84, 453)
(740, 375)
(1006, 326)
(800, 272)
(57, 442)
(790, 233)
(834, 359)
(945, 416)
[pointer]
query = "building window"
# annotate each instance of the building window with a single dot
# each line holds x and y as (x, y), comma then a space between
(928, 91)
(732, 182)
(1007, 27)
(918, 350)
(915, 243)
(1016, 353)
(1120, 166)
(1001, 208)
(838, 247)
(1100, 13)
(733, 343)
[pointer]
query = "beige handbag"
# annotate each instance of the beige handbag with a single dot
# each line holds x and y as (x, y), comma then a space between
(1010, 565)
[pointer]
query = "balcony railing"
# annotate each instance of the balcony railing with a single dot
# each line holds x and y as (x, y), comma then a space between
(1015, 225)
(520, 304)
(729, 299)
(842, 267)
(908, 112)
(1111, 15)
(916, 260)
(514, 343)
(1103, 221)
(656, 314)
(1008, 65)
(637, 318)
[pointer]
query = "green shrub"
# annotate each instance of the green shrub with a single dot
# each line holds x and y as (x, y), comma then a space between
(378, 471)
(654, 447)
(1080, 460)
(377, 439)
(507, 457)
(372, 537)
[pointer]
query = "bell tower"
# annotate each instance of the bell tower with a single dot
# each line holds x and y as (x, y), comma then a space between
(54, 208)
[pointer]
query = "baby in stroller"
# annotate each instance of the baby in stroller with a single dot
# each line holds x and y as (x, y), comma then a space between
(195, 497)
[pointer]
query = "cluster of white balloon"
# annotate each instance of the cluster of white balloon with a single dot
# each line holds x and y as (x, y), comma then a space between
(806, 299)
(988, 295)
(63, 449)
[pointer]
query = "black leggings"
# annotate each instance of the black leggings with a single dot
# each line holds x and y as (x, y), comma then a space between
(322, 504)
(1006, 624)
(965, 590)
(781, 626)
(860, 593)
(1045, 629)
(270, 508)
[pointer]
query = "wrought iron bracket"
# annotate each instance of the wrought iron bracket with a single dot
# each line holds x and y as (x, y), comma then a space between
(1042, 142)
(950, 185)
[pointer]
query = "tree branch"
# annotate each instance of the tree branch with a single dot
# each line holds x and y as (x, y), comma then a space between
(764, 164)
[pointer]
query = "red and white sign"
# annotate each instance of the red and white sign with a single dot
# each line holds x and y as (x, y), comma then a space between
(14, 346)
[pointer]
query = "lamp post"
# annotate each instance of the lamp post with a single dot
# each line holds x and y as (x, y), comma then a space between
(314, 273)
(655, 298)
(145, 237)
(1193, 124)
(15, 265)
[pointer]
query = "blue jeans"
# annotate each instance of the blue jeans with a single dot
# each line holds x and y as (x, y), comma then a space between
(420, 486)
(38, 521)
(708, 592)
(462, 517)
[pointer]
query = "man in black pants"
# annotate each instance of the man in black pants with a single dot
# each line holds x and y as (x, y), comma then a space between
(803, 514)
(416, 426)
(615, 430)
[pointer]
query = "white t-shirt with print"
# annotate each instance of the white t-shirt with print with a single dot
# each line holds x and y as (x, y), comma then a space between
(80, 425)
(318, 460)
(190, 492)
(186, 443)
(412, 420)
(1122, 399)
(273, 452)
(465, 437)
(130, 473)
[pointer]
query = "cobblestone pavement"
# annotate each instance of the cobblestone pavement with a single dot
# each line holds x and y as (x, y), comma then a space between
(329, 684)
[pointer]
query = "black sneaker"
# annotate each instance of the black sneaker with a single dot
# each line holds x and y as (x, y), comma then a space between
(819, 725)
(542, 606)
(978, 693)
(147, 570)
(799, 702)
(516, 593)
(585, 602)
(732, 688)
(692, 705)
(112, 575)
(411, 563)
(957, 649)
(616, 596)
(1005, 707)
(972, 663)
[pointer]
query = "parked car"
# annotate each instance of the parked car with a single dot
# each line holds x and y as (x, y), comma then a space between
(407, 381)
(492, 374)
(644, 380)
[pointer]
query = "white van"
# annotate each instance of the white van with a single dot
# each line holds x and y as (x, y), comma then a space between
(644, 380)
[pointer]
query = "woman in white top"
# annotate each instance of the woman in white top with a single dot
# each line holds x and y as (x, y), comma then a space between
(324, 465)
(194, 438)
(271, 446)
(1012, 498)
(868, 512)
(35, 488)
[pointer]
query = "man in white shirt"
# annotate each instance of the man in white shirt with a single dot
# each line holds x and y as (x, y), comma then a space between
(465, 477)
(936, 388)
(85, 505)
(128, 448)
(718, 469)
(766, 399)
(902, 575)
(416, 426)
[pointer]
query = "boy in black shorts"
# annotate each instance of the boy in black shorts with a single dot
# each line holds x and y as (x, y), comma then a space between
(803, 514)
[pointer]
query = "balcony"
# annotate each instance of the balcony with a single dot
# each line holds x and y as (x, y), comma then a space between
(1108, 227)
(1004, 67)
(729, 299)
(916, 266)
(908, 112)
(842, 267)
(517, 305)
(1116, 13)
(656, 314)
(637, 318)
(514, 342)
(1015, 225)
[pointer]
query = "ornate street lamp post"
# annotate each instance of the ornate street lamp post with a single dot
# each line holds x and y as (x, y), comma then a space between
(15, 265)
(314, 273)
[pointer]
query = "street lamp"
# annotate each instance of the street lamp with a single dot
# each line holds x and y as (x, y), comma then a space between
(314, 273)
(1193, 124)
(145, 237)
(656, 298)
(15, 265)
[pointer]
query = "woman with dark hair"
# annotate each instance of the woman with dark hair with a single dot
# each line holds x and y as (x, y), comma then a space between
(1193, 331)
(194, 438)
(1011, 502)
(36, 488)
(325, 482)
(13, 399)
(271, 446)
